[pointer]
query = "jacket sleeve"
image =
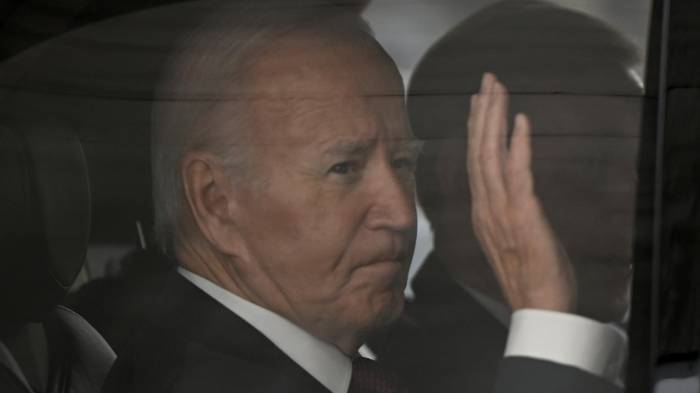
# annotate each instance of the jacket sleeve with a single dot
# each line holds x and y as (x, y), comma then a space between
(528, 375)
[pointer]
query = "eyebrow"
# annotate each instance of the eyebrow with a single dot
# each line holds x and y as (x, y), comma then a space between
(355, 147)
(349, 147)
(412, 146)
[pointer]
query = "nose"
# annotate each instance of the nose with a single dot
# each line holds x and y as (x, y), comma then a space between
(392, 202)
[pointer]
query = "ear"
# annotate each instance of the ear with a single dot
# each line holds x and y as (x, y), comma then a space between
(209, 197)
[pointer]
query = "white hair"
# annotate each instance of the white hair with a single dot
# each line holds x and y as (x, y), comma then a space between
(206, 69)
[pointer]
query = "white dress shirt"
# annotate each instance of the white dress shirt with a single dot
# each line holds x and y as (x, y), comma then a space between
(562, 338)
(326, 363)
(557, 337)
(678, 377)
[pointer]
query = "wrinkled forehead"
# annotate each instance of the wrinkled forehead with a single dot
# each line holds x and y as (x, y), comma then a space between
(346, 119)
(340, 86)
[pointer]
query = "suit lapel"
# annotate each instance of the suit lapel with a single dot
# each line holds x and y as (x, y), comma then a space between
(200, 320)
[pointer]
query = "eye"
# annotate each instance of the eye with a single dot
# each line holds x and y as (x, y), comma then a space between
(404, 163)
(344, 168)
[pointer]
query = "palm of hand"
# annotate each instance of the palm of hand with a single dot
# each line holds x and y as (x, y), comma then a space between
(524, 252)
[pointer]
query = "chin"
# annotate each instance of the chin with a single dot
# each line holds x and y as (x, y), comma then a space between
(386, 310)
(377, 304)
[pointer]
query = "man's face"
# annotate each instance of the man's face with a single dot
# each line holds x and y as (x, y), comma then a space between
(328, 222)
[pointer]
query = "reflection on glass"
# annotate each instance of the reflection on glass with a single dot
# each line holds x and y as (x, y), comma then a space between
(286, 162)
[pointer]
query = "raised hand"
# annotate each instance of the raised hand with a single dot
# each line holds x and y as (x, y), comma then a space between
(525, 254)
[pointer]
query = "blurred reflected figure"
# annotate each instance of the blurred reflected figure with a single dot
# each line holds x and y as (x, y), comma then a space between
(573, 77)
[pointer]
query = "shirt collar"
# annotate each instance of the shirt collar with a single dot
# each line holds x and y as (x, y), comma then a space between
(326, 363)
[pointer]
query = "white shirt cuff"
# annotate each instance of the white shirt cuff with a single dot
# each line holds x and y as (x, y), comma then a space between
(568, 339)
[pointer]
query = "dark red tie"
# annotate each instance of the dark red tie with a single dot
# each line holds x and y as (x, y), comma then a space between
(368, 377)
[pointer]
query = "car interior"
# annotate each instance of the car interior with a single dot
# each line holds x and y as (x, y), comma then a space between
(45, 346)
(75, 202)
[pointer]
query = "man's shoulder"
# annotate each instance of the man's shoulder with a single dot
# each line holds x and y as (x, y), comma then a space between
(161, 361)
(191, 343)
(170, 346)
(165, 362)
(183, 321)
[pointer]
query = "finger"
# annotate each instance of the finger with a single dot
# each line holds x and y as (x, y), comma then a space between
(476, 183)
(472, 143)
(503, 131)
(493, 155)
(474, 137)
(484, 96)
(520, 181)
(493, 149)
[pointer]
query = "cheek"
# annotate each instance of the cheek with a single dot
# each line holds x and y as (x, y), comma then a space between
(303, 234)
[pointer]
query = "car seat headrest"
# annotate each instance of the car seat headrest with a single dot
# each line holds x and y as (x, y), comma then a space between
(45, 210)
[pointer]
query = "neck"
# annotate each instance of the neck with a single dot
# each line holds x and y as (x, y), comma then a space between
(210, 265)
(348, 344)
(216, 269)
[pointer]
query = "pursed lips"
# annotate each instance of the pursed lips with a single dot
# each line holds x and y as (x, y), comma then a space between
(393, 255)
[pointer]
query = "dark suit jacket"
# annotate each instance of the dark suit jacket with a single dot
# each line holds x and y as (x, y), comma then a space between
(190, 343)
(447, 342)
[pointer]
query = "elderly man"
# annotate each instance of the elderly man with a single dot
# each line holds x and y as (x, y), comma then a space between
(283, 167)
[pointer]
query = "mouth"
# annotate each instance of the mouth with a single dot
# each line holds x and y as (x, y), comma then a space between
(398, 257)
(384, 271)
